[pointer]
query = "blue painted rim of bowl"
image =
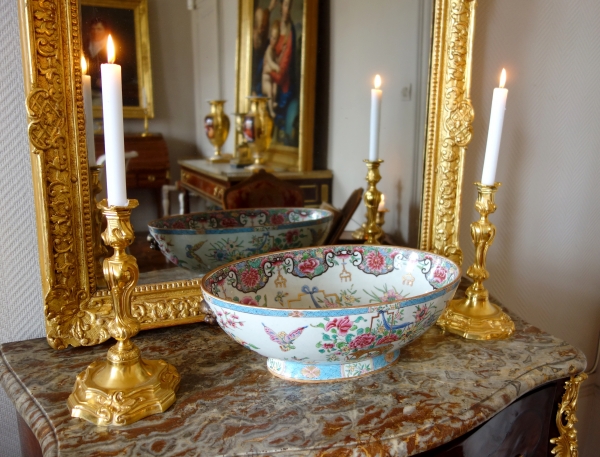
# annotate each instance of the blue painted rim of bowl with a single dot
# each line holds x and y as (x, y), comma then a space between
(346, 311)
(327, 217)
(331, 312)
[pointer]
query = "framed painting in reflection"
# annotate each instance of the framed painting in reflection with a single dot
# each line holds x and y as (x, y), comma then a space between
(277, 50)
(127, 22)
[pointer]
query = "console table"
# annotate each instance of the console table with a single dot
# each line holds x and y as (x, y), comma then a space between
(445, 396)
(210, 180)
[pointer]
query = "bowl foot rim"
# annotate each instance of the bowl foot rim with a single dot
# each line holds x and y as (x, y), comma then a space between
(293, 371)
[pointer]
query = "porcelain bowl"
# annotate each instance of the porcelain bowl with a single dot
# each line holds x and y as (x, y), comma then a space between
(330, 312)
(203, 241)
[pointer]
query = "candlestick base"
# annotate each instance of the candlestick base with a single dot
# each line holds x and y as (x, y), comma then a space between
(474, 317)
(121, 392)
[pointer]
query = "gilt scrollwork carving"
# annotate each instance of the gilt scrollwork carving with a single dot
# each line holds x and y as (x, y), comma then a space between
(56, 171)
(171, 309)
(566, 443)
(449, 132)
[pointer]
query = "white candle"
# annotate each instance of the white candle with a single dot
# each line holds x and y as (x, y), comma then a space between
(494, 132)
(144, 98)
(89, 113)
(375, 115)
(114, 142)
(381, 204)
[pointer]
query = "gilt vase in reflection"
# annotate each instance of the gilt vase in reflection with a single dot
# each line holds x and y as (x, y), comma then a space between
(258, 130)
(242, 155)
(216, 124)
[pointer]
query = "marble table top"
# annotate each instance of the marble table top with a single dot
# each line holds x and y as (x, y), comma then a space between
(224, 171)
(229, 404)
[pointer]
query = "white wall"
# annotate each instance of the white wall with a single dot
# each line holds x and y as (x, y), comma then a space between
(214, 43)
(545, 261)
(173, 79)
(369, 38)
(21, 309)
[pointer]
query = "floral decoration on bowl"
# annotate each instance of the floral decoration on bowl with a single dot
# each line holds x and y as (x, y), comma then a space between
(330, 312)
(202, 241)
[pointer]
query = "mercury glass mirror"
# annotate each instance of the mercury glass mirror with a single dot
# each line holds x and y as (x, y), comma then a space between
(77, 310)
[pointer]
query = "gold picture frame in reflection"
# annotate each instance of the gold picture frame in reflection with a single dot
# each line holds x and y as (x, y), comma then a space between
(276, 58)
(127, 22)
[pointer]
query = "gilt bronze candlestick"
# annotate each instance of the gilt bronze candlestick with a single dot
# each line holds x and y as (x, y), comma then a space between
(124, 388)
(372, 232)
(474, 317)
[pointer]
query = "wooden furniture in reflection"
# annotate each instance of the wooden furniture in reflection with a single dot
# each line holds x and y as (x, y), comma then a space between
(150, 169)
(210, 180)
(446, 396)
(340, 221)
(263, 190)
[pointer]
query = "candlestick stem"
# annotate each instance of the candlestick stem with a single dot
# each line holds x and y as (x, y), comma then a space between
(373, 232)
(124, 388)
(474, 317)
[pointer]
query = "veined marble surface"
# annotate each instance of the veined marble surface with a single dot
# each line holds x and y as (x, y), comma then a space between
(229, 404)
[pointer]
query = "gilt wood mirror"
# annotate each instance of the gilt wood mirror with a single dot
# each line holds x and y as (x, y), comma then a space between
(76, 310)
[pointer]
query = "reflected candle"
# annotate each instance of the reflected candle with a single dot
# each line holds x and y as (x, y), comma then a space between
(114, 142)
(89, 113)
(375, 115)
(494, 132)
(144, 99)
(381, 204)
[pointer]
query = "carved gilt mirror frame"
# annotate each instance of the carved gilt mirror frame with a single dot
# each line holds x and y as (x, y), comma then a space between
(76, 312)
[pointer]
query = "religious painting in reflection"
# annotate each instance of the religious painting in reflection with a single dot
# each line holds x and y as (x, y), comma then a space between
(277, 55)
(276, 59)
(124, 22)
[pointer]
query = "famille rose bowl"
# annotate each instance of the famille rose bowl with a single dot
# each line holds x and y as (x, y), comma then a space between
(203, 241)
(330, 312)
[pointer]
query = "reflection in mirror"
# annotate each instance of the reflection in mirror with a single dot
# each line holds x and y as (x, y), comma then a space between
(193, 59)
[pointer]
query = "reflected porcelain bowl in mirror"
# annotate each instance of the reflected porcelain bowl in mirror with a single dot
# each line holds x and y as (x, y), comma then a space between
(203, 241)
(331, 312)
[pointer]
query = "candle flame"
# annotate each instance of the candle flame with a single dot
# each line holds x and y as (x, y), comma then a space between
(377, 81)
(84, 65)
(502, 78)
(110, 50)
